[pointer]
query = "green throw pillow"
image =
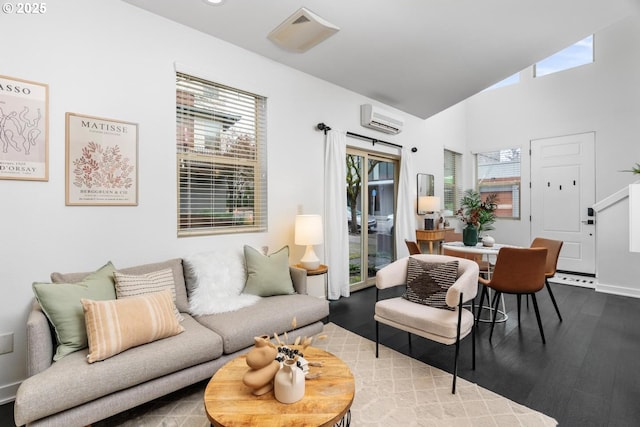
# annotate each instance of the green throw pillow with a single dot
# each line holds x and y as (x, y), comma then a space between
(61, 304)
(268, 275)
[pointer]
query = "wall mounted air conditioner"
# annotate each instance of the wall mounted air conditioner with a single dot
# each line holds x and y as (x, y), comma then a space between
(379, 119)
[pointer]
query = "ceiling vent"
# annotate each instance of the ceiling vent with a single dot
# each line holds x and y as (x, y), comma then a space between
(302, 31)
(376, 118)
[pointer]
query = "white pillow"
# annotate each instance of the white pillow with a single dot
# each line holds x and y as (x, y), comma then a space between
(215, 281)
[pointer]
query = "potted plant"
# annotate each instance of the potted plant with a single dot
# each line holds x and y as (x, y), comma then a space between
(478, 215)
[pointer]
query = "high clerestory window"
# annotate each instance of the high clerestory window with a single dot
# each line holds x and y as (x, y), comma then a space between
(221, 155)
(578, 54)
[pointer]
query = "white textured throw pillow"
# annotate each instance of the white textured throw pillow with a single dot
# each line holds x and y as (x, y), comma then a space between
(215, 281)
(132, 285)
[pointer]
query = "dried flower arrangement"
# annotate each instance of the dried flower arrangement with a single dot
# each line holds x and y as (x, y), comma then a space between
(287, 353)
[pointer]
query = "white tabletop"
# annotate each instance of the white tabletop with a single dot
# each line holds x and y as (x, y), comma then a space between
(477, 249)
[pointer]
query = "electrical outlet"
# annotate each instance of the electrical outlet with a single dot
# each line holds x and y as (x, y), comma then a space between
(6, 343)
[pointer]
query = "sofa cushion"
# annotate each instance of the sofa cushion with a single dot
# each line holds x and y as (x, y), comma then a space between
(61, 304)
(117, 325)
(268, 275)
(174, 264)
(268, 316)
(428, 282)
(72, 381)
(215, 281)
(131, 285)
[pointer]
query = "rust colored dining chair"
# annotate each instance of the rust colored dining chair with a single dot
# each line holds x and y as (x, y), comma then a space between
(429, 308)
(518, 271)
(413, 247)
(553, 252)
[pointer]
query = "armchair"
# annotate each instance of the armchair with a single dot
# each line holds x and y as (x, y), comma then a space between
(445, 326)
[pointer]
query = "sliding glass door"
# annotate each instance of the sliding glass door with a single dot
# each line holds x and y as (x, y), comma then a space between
(371, 194)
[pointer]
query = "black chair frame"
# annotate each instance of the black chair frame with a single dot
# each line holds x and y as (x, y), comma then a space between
(457, 343)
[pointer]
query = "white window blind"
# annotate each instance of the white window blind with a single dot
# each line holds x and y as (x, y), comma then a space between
(452, 180)
(499, 172)
(221, 153)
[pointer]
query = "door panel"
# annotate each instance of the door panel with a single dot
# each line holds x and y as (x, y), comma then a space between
(562, 190)
(371, 190)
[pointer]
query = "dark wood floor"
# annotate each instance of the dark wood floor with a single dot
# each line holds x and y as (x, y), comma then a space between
(587, 374)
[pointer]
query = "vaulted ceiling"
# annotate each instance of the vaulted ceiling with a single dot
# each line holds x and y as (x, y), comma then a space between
(420, 56)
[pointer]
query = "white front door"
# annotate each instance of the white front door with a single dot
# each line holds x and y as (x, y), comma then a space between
(562, 193)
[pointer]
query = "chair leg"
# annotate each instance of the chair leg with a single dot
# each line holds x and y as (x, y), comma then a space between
(473, 337)
(483, 292)
(519, 298)
(409, 336)
(455, 360)
(495, 314)
(553, 300)
(535, 307)
(377, 337)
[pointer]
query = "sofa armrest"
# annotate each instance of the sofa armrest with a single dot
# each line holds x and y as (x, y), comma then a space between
(299, 278)
(39, 341)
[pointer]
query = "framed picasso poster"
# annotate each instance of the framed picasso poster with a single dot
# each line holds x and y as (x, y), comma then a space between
(24, 130)
(101, 161)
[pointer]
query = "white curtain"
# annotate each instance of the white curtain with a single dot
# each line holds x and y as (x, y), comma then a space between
(336, 236)
(405, 209)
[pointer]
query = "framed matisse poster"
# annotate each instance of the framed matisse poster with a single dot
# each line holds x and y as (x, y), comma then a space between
(24, 130)
(102, 162)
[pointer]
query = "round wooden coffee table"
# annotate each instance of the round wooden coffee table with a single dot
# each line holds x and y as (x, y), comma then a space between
(327, 399)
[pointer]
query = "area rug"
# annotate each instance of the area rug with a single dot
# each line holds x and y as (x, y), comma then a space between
(391, 390)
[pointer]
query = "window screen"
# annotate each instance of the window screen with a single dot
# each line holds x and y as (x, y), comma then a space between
(499, 172)
(452, 180)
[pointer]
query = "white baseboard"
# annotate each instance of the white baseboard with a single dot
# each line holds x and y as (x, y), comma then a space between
(618, 290)
(8, 392)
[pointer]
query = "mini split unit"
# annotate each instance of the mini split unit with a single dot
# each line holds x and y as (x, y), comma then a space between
(376, 118)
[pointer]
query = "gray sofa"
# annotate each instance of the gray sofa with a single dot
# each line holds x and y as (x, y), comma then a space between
(72, 392)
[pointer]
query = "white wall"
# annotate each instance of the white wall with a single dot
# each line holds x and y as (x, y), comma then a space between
(116, 61)
(603, 97)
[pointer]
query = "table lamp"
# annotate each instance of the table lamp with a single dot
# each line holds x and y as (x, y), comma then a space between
(430, 205)
(308, 232)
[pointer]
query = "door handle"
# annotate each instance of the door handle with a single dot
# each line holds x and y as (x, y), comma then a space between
(589, 221)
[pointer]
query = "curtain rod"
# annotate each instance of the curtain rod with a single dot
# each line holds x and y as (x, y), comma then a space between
(323, 127)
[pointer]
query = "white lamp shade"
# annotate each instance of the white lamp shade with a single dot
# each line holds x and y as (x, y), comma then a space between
(308, 230)
(429, 204)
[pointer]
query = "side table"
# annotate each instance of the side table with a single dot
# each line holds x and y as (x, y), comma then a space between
(317, 281)
(431, 236)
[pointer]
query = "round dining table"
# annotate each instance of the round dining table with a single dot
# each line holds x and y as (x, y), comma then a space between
(490, 254)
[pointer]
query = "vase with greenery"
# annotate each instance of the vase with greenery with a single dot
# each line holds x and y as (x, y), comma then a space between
(478, 215)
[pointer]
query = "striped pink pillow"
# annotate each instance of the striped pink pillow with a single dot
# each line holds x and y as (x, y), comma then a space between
(116, 325)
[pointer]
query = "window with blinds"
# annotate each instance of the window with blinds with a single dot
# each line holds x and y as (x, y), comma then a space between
(452, 180)
(222, 163)
(499, 172)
